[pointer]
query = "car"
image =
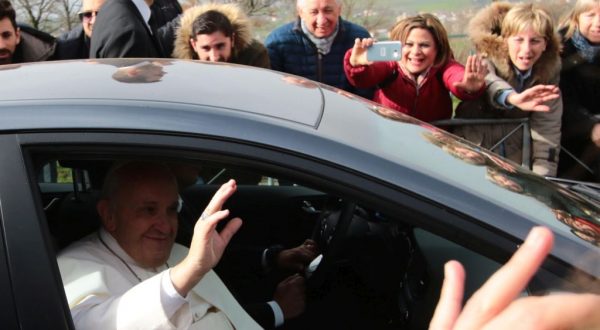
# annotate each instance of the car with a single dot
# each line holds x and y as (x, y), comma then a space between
(388, 198)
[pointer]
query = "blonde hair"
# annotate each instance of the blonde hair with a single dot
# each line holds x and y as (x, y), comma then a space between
(429, 22)
(571, 21)
(523, 16)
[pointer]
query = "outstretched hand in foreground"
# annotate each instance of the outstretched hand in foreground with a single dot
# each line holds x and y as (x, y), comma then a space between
(496, 304)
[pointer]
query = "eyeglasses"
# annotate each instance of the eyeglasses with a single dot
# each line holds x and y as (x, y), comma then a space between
(87, 15)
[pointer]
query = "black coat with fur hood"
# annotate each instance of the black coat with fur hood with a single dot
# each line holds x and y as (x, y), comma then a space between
(246, 50)
(579, 84)
(484, 31)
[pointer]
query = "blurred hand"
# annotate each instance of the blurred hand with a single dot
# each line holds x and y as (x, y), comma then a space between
(533, 99)
(290, 295)
(495, 304)
(296, 259)
(359, 52)
(474, 77)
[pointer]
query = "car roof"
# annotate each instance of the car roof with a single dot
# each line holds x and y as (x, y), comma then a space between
(183, 82)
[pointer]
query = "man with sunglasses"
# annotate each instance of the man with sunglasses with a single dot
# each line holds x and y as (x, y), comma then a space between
(75, 44)
(19, 44)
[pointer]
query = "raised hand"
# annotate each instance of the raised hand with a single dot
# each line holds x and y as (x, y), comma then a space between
(359, 52)
(495, 304)
(208, 244)
(474, 77)
(534, 98)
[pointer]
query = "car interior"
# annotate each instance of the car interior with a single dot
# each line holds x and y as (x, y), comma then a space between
(377, 270)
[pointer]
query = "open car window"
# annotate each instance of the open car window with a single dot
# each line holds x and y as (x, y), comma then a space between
(375, 264)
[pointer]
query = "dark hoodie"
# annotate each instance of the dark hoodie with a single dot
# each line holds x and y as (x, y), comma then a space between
(35, 46)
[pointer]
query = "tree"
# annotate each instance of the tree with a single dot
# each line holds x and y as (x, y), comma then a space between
(67, 13)
(367, 13)
(50, 16)
(250, 7)
(37, 13)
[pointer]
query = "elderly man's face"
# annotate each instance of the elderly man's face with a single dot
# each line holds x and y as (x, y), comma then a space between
(9, 39)
(321, 16)
(89, 10)
(143, 217)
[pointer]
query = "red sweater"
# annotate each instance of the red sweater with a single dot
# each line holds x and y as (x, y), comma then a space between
(429, 102)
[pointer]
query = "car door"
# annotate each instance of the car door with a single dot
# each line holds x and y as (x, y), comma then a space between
(32, 261)
(32, 292)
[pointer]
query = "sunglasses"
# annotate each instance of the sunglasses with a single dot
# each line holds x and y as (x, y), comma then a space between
(87, 15)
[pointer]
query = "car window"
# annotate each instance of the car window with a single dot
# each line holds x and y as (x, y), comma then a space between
(216, 174)
(364, 252)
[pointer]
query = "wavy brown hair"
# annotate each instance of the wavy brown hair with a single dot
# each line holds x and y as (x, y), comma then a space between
(430, 23)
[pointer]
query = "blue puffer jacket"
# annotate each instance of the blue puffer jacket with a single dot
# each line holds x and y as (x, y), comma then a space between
(291, 51)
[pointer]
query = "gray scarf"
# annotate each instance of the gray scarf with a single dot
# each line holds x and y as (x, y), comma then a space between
(584, 48)
(323, 44)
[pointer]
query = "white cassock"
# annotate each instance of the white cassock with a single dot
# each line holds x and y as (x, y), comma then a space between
(104, 292)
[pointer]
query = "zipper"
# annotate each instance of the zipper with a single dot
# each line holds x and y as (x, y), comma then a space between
(319, 66)
(414, 84)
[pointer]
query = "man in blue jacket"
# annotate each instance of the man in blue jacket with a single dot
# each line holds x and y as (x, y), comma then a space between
(314, 45)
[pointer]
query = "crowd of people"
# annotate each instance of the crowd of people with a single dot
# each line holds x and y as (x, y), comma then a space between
(526, 66)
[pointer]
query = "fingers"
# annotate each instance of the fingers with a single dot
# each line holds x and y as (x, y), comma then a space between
(540, 108)
(309, 243)
(230, 229)
(533, 98)
(296, 278)
(558, 311)
(450, 303)
(470, 64)
(508, 282)
(209, 223)
(367, 42)
(220, 197)
(475, 64)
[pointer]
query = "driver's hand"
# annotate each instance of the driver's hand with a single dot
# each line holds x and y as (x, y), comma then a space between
(296, 259)
(290, 294)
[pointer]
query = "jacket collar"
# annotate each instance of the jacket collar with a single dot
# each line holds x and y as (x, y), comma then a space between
(144, 10)
(341, 27)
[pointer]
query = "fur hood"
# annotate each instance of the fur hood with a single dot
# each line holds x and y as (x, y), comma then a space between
(240, 22)
(484, 32)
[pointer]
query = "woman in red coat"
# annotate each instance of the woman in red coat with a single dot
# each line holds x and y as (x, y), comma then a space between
(421, 82)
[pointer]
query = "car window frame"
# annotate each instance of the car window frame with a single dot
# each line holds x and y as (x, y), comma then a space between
(432, 217)
(35, 286)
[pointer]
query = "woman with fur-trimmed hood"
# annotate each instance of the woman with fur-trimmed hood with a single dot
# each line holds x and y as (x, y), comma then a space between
(219, 33)
(579, 85)
(522, 50)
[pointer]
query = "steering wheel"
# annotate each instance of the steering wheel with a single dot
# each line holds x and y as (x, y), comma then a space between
(329, 234)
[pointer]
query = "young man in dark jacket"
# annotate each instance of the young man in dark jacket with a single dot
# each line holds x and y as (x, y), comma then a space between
(19, 44)
(314, 45)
